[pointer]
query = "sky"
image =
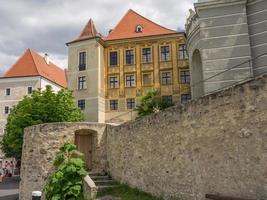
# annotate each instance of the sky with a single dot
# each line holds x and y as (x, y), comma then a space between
(46, 25)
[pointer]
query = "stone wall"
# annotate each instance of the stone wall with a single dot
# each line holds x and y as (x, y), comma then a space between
(217, 145)
(41, 143)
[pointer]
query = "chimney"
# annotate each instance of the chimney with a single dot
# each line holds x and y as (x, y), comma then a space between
(46, 57)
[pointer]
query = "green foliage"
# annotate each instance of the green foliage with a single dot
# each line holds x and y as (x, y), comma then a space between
(66, 182)
(41, 107)
(127, 193)
(150, 103)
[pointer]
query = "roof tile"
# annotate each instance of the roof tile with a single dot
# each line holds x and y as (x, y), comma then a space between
(126, 28)
(32, 64)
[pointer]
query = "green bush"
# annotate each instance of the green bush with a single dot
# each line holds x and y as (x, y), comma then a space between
(150, 103)
(66, 183)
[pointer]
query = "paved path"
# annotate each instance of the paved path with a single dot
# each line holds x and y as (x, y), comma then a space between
(9, 189)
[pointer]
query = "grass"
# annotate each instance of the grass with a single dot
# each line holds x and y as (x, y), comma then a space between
(127, 193)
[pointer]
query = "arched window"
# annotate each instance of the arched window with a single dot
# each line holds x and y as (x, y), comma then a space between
(139, 29)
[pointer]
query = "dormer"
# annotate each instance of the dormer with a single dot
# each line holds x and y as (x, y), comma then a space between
(139, 28)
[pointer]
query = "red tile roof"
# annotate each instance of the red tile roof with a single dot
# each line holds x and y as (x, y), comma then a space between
(89, 31)
(126, 28)
(32, 64)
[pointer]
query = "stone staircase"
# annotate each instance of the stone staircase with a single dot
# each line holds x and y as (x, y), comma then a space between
(103, 181)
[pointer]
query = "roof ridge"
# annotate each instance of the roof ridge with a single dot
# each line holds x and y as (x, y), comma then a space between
(152, 21)
(18, 61)
(131, 10)
(37, 68)
(120, 20)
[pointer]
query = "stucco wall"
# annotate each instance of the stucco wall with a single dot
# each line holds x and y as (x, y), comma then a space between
(217, 144)
(41, 143)
(227, 33)
(93, 92)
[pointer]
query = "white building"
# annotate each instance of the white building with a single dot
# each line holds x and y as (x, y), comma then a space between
(30, 72)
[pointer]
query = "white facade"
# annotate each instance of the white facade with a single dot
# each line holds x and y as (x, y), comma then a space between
(12, 90)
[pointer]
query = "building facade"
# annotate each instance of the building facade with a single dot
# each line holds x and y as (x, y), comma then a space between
(85, 72)
(137, 55)
(29, 73)
(226, 43)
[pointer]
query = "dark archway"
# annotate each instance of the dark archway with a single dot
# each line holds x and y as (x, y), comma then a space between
(85, 142)
(197, 75)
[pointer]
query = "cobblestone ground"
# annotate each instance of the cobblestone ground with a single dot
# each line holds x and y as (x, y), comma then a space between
(9, 189)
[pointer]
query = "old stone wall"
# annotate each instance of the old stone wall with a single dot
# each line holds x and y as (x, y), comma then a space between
(217, 145)
(41, 143)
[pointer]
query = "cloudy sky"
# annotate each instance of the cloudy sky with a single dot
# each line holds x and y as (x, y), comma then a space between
(46, 25)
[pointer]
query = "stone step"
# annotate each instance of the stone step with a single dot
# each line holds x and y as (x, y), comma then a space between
(94, 178)
(104, 181)
(97, 173)
(102, 188)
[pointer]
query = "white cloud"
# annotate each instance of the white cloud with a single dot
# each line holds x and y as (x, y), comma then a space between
(47, 25)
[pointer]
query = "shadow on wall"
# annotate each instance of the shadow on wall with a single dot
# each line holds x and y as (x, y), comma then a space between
(197, 75)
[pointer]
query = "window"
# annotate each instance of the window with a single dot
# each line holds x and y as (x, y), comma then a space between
(185, 98)
(113, 58)
(130, 80)
(166, 78)
(129, 57)
(167, 99)
(29, 90)
(147, 79)
(146, 55)
(113, 82)
(82, 61)
(8, 91)
(81, 83)
(185, 77)
(130, 104)
(139, 29)
(113, 104)
(81, 104)
(165, 53)
(6, 111)
(182, 52)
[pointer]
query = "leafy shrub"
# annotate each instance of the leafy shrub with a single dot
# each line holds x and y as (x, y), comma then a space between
(151, 102)
(66, 183)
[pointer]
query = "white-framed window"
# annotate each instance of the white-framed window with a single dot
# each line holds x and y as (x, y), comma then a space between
(6, 110)
(82, 61)
(113, 82)
(81, 83)
(130, 80)
(130, 103)
(165, 53)
(113, 104)
(29, 90)
(81, 104)
(139, 29)
(166, 77)
(182, 52)
(8, 92)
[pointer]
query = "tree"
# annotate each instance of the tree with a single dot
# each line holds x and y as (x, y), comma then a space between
(151, 102)
(41, 107)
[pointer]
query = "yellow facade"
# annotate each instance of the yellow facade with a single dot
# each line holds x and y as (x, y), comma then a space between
(146, 75)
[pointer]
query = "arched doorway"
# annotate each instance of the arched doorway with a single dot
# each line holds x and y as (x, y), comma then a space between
(197, 75)
(84, 140)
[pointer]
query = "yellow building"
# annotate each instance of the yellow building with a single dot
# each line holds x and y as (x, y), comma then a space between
(139, 55)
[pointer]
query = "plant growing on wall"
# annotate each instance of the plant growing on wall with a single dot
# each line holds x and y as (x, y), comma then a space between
(150, 103)
(41, 107)
(66, 183)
